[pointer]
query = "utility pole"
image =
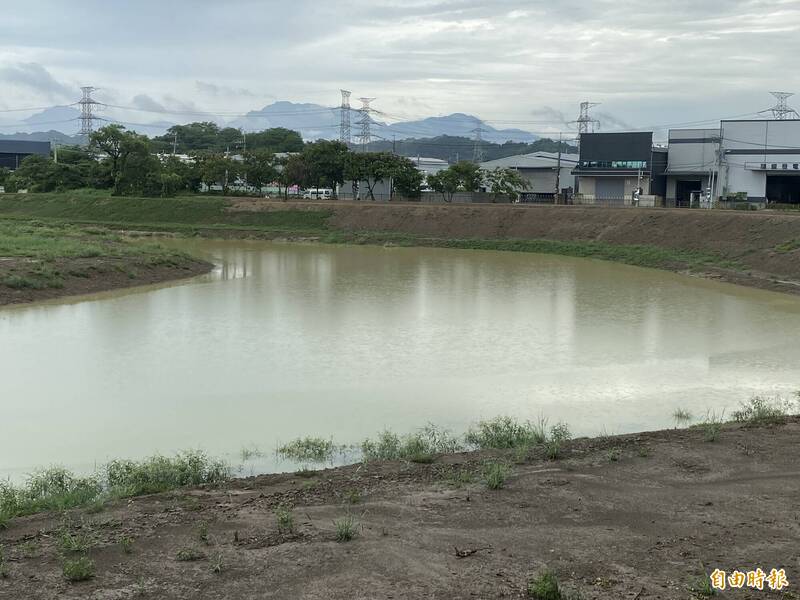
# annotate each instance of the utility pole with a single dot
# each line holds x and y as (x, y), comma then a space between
(365, 137)
(344, 118)
(477, 150)
(558, 170)
(87, 104)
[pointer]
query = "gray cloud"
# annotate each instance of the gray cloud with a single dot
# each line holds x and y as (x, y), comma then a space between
(36, 78)
(505, 60)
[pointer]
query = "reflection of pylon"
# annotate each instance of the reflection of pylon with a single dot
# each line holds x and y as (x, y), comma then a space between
(477, 150)
(781, 111)
(87, 104)
(365, 137)
(344, 125)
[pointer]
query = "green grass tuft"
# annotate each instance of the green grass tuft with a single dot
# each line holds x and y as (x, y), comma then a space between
(760, 410)
(78, 569)
(495, 475)
(309, 449)
(346, 528)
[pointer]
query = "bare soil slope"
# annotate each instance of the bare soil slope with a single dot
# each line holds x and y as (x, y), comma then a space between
(629, 517)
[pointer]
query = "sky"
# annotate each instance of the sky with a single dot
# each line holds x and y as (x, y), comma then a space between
(513, 63)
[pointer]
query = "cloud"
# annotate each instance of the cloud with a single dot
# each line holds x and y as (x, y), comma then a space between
(146, 103)
(36, 78)
(212, 89)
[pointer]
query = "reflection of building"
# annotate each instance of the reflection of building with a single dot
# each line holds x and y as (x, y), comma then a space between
(540, 170)
(13, 152)
(613, 165)
(691, 165)
(760, 160)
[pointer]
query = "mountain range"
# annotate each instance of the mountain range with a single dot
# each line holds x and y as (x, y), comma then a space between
(313, 121)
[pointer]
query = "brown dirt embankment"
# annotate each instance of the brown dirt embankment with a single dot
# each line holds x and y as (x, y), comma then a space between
(640, 516)
(765, 244)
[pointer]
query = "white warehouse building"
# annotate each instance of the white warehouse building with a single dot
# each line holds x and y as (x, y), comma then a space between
(760, 159)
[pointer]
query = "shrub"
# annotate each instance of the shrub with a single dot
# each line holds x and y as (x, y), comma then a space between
(505, 432)
(78, 569)
(495, 475)
(760, 410)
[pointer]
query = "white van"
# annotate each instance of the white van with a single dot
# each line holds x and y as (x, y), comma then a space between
(318, 194)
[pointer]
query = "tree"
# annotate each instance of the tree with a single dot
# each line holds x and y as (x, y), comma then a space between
(460, 177)
(129, 155)
(216, 169)
(325, 161)
(258, 168)
(406, 178)
(506, 182)
(294, 171)
(370, 167)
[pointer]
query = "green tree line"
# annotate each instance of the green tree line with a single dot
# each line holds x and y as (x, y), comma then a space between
(127, 163)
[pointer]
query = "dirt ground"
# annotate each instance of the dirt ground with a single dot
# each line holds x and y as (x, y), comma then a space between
(98, 275)
(629, 517)
(751, 238)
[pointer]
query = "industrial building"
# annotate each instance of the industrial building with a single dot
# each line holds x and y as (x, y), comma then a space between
(691, 166)
(613, 166)
(13, 152)
(760, 161)
(542, 171)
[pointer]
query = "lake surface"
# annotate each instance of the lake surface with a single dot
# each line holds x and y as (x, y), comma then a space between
(287, 340)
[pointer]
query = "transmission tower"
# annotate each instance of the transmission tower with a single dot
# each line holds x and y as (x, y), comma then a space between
(87, 104)
(782, 111)
(477, 149)
(344, 124)
(586, 124)
(365, 137)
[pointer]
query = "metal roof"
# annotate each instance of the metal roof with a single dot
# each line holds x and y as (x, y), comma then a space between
(534, 160)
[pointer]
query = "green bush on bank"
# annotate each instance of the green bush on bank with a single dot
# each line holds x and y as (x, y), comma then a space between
(58, 489)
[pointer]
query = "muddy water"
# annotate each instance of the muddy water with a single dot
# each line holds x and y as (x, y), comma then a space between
(286, 340)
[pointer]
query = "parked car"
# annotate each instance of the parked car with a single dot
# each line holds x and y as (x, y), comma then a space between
(318, 194)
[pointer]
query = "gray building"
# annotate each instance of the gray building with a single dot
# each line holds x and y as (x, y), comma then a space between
(760, 159)
(13, 152)
(613, 165)
(691, 165)
(541, 170)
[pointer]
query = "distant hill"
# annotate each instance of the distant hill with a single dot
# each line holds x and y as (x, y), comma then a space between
(45, 136)
(315, 121)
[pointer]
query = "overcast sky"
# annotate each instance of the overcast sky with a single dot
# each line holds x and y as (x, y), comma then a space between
(516, 63)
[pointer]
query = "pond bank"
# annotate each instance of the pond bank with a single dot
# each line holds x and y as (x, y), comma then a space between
(635, 516)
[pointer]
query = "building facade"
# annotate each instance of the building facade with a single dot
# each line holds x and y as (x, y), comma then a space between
(691, 166)
(13, 152)
(612, 166)
(760, 161)
(542, 171)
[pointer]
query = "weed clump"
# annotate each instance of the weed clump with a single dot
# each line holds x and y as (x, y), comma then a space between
(309, 449)
(682, 417)
(559, 435)
(285, 519)
(419, 447)
(760, 410)
(495, 475)
(49, 489)
(505, 432)
(712, 426)
(544, 587)
(160, 473)
(345, 528)
(78, 569)
(189, 555)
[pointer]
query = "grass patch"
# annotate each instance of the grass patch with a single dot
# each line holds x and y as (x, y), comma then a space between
(681, 416)
(789, 246)
(420, 446)
(544, 587)
(78, 569)
(189, 554)
(761, 410)
(506, 432)
(346, 528)
(458, 478)
(712, 426)
(559, 435)
(160, 473)
(57, 489)
(309, 449)
(285, 519)
(495, 475)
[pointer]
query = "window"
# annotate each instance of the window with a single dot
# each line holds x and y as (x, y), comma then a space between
(774, 166)
(614, 164)
(785, 166)
(763, 165)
